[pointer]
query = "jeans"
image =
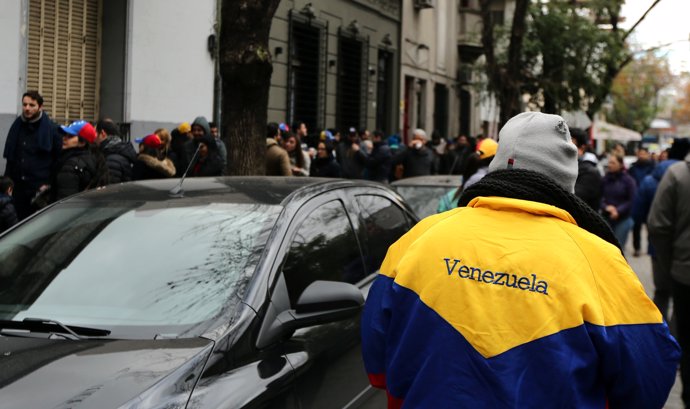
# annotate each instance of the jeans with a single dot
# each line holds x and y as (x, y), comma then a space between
(621, 229)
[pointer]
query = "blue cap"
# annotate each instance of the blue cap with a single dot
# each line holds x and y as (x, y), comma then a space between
(81, 129)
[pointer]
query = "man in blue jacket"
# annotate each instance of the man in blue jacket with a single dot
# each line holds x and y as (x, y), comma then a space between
(32, 147)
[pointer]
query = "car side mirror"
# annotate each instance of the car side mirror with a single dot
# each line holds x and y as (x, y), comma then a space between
(321, 302)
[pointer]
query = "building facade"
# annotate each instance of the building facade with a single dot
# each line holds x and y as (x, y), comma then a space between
(336, 64)
(393, 65)
(143, 63)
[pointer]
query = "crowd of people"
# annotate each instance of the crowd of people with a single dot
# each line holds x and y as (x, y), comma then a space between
(362, 154)
(47, 162)
(522, 274)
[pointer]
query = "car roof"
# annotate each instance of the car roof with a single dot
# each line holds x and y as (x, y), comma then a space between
(270, 190)
(430, 180)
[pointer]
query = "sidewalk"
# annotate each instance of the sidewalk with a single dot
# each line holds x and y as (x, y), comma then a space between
(643, 268)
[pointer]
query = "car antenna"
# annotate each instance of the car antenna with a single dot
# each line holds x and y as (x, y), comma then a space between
(177, 190)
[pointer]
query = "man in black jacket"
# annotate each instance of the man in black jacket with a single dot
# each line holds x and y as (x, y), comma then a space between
(588, 183)
(417, 159)
(32, 148)
(119, 155)
(380, 160)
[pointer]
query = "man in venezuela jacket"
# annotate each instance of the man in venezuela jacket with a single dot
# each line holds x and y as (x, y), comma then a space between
(519, 298)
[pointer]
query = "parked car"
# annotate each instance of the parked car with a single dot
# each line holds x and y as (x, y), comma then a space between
(222, 293)
(423, 193)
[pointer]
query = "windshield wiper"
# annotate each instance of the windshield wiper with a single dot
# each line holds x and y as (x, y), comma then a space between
(53, 326)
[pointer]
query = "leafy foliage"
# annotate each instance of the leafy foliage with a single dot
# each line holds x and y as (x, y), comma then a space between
(568, 53)
(681, 111)
(635, 91)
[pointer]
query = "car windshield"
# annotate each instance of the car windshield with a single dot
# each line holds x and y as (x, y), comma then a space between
(150, 268)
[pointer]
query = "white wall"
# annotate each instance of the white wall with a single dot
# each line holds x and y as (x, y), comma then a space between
(169, 70)
(12, 24)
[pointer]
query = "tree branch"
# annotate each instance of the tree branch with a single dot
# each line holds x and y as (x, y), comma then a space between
(627, 33)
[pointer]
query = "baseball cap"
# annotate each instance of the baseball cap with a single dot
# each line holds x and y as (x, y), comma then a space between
(152, 141)
(184, 127)
(81, 129)
(486, 148)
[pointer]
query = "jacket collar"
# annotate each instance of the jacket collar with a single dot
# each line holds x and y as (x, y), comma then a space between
(518, 205)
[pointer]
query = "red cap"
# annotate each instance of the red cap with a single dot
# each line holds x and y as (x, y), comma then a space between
(152, 141)
(81, 129)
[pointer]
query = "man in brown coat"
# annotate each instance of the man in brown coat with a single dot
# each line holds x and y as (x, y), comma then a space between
(277, 160)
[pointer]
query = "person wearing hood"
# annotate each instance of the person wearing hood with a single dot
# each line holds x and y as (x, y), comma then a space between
(588, 183)
(202, 130)
(119, 155)
(417, 159)
(151, 162)
(668, 228)
(207, 162)
(81, 166)
(32, 148)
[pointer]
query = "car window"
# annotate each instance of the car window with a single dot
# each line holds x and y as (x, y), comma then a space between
(384, 222)
(423, 200)
(324, 247)
(132, 264)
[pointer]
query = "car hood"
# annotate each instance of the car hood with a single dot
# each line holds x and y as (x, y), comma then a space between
(47, 373)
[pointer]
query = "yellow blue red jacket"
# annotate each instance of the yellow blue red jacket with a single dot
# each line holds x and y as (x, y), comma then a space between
(508, 303)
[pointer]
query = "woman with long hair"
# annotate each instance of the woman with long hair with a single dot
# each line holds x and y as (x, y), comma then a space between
(299, 160)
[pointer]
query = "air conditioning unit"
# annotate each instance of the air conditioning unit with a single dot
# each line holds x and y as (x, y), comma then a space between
(424, 4)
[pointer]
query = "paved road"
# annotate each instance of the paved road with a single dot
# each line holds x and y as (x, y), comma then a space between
(643, 267)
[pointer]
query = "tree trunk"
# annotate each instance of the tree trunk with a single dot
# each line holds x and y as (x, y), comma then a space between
(245, 70)
(505, 80)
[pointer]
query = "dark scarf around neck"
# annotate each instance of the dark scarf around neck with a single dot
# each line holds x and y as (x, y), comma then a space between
(528, 185)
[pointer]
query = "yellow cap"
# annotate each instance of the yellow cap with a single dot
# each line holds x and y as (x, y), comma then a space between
(486, 148)
(184, 127)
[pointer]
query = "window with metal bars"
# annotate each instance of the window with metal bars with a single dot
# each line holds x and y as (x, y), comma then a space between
(64, 56)
(384, 91)
(352, 81)
(441, 109)
(306, 72)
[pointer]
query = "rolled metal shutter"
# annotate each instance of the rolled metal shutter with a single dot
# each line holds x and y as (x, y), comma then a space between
(64, 56)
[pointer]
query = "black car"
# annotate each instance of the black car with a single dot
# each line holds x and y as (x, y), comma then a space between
(235, 292)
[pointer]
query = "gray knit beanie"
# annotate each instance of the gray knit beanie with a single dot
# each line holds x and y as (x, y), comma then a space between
(538, 142)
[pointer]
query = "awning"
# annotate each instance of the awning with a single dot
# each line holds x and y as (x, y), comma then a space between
(603, 130)
(576, 119)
